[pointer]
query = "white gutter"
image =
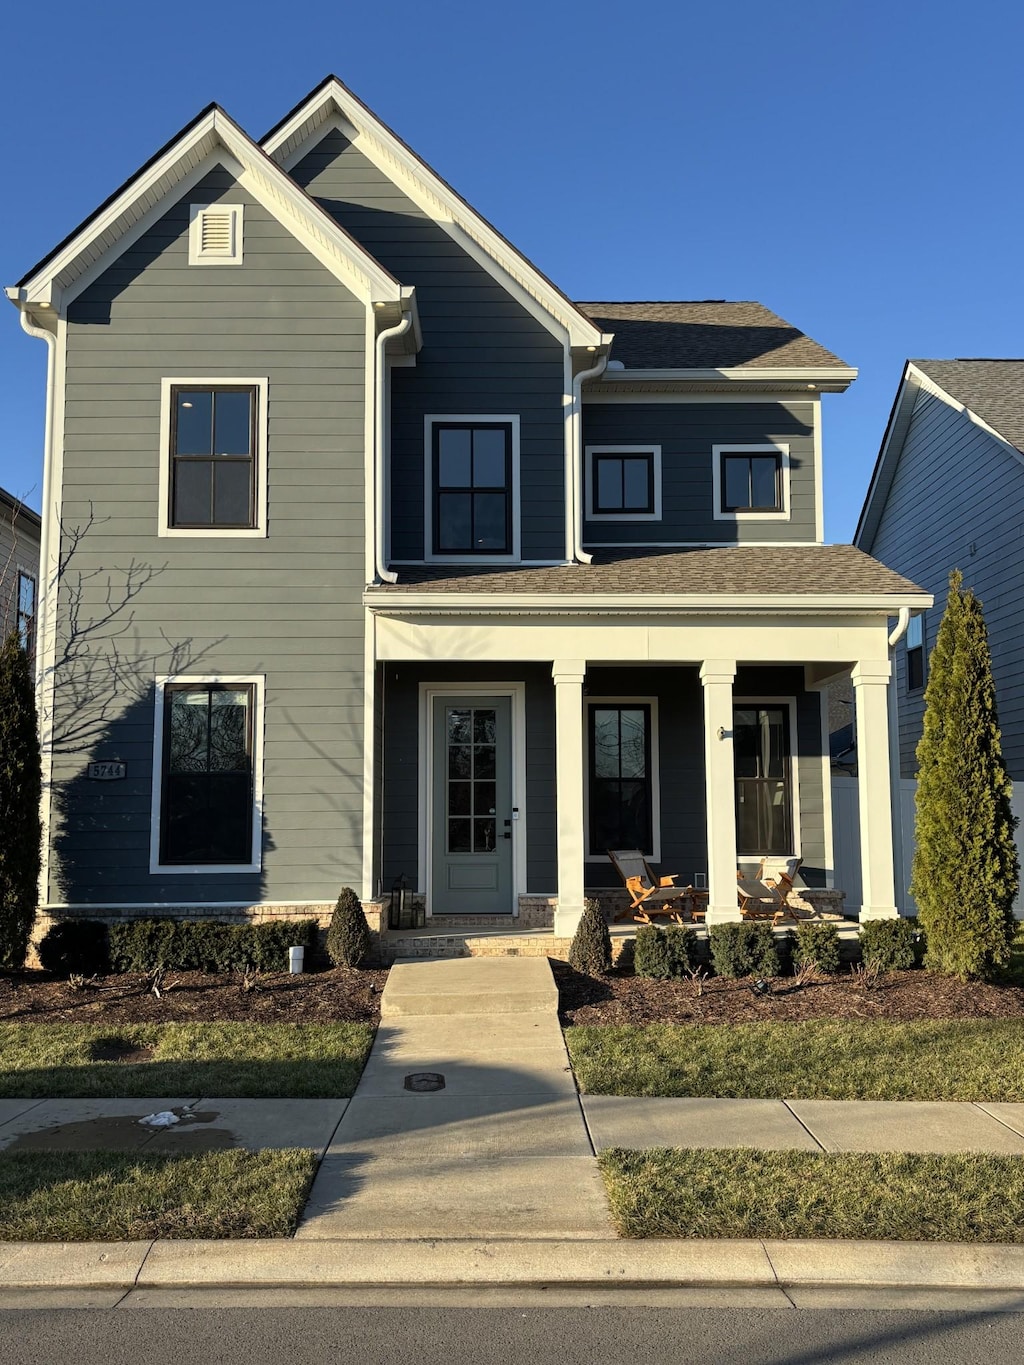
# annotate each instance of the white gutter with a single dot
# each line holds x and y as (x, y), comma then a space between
(902, 622)
(574, 480)
(379, 452)
(42, 607)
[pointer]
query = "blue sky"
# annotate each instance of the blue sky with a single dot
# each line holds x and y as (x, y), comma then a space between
(857, 168)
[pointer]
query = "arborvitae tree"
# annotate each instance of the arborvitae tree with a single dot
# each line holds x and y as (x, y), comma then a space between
(966, 872)
(591, 947)
(348, 938)
(20, 783)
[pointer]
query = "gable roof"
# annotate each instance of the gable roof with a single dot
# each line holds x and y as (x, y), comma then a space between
(18, 509)
(184, 158)
(707, 334)
(991, 391)
(331, 98)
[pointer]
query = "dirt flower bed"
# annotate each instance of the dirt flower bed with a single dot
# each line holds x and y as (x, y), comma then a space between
(626, 999)
(342, 994)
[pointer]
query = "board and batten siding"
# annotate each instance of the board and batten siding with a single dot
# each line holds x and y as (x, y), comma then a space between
(483, 352)
(687, 433)
(957, 501)
(134, 606)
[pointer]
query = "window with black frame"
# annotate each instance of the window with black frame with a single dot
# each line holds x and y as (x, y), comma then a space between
(213, 457)
(764, 797)
(751, 482)
(472, 488)
(915, 654)
(621, 796)
(622, 484)
(207, 780)
(26, 624)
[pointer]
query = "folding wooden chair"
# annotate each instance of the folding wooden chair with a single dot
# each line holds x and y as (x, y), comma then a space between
(651, 895)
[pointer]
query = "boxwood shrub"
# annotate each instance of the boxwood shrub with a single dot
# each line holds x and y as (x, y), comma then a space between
(746, 949)
(76, 945)
(142, 945)
(892, 945)
(664, 952)
(817, 943)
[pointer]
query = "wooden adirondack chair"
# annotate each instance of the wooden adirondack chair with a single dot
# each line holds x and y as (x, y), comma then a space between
(651, 895)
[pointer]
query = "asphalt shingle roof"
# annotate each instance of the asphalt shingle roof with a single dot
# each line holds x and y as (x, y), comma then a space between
(706, 335)
(992, 389)
(842, 570)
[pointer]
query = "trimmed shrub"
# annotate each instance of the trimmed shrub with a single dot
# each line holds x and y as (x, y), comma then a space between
(143, 945)
(348, 938)
(591, 947)
(76, 945)
(891, 945)
(664, 952)
(745, 949)
(20, 782)
(818, 943)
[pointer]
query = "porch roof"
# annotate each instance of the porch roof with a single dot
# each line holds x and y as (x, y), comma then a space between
(736, 571)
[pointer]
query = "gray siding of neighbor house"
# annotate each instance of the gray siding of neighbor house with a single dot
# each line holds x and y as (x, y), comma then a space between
(137, 606)
(681, 764)
(686, 433)
(483, 353)
(19, 553)
(955, 488)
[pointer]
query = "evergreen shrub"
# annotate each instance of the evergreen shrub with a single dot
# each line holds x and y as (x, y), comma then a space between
(818, 943)
(891, 945)
(143, 945)
(76, 945)
(591, 947)
(664, 953)
(20, 785)
(348, 938)
(745, 949)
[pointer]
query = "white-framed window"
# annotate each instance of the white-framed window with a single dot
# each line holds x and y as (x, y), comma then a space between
(471, 488)
(623, 483)
(207, 790)
(751, 482)
(915, 654)
(26, 613)
(215, 234)
(765, 758)
(621, 793)
(213, 457)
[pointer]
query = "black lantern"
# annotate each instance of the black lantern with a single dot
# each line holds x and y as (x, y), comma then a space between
(401, 916)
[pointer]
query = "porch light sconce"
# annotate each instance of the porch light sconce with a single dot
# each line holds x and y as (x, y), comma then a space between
(722, 732)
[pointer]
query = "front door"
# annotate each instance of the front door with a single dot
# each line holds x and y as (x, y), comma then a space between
(471, 806)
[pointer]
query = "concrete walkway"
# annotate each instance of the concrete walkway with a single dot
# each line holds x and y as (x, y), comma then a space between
(500, 1150)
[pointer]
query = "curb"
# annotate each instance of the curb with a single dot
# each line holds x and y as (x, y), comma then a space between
(493, 1264)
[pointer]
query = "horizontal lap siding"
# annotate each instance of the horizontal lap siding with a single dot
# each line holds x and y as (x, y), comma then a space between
(19, 553)
(287, 607)
(956, 487)
(482, 353)
(686, 433)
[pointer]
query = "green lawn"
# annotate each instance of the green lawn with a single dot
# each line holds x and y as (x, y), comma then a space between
(668, 1192)
(965, 1059)
(127, 1196)
(229, 1060)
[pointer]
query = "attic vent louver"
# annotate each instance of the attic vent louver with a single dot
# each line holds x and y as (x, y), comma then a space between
(215, 234)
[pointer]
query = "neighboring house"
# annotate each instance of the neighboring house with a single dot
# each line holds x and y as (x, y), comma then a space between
(19, 570)
(383, 558)
(947, 493)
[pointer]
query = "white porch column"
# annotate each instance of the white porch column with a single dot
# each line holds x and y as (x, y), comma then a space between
(874, 789)
(717, 677)
(568, 675)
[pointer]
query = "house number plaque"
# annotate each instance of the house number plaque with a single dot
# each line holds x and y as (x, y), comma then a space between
(107, 771)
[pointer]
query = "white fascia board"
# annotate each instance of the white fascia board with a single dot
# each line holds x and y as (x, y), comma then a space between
(426, 188)
(888, 455)
(833, 375)
(215, 138)
(633, 604)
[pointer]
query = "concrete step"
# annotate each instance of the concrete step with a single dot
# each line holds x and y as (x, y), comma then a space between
(484, 985)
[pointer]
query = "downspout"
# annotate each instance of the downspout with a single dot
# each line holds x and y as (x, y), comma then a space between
(902, 622)
(45, 585)
(379, 453)
(575, 490)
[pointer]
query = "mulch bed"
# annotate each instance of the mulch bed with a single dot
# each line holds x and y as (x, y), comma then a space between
(340, 995)
(627, 999)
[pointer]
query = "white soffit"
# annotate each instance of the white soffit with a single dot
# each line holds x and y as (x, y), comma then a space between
(212, 139)
(427, 189)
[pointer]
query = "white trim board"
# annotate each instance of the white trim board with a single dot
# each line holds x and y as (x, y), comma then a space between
(428, 694)
(261, 456)
(589, 514)
(652, 702)
(257, 681)
(484, 419)
(794, 777)
(745, 448)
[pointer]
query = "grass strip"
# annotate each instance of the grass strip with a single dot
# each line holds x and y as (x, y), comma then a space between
(961, 1059)
(892, 1196)
(229, 1060)
(127, 1196)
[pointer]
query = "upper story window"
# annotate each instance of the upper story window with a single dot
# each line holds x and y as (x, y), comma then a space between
(26, 623)
(623, 482)
(751, 481)
(472, 504)
(915, 654)
(214, 457)
(215, 234)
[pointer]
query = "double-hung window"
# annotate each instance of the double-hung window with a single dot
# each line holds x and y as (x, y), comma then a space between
(764, 779)
(621, 788)
(751, 481)
(915, 654)
(472, 487)
(206, 779)
(214, 457)
(26, 623)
